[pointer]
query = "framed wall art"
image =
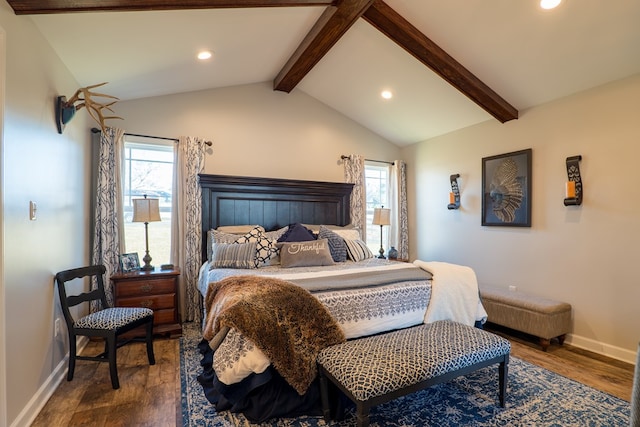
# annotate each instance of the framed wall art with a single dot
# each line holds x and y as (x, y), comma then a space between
(506, 189)
(129, 262)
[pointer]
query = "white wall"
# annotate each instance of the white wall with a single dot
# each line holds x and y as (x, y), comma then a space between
(52, 170)
(257, 131)
(585, 255)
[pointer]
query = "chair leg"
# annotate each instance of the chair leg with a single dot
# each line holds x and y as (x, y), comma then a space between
(72, 356)
(152, 359)
(113, 367)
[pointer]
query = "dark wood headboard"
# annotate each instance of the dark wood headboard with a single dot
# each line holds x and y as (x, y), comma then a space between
(271, 202)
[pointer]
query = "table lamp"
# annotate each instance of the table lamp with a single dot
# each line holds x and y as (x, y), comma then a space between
(146, 210)
(381, 216)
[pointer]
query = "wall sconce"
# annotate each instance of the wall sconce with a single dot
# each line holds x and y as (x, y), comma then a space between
(574, 188)
(381, 216)
(454, 196)
(66, 109)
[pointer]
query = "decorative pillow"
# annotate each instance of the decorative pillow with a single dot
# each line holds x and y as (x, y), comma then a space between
(315, 228)
(215, 236)
(297, 233)
(305, 254)
(347, 233)
(275, 250)
(276, 234)
(358, 250)
(234, 255)
(264, 246)
(236, 229)
(337, 246)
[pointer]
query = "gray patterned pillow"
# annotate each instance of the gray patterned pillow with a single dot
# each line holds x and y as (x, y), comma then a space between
(337, 246)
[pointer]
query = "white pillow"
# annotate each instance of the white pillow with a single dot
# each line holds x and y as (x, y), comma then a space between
(348, 233)
(236, 229)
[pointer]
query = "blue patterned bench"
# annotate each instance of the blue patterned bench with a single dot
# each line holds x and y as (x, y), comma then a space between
(380, 368)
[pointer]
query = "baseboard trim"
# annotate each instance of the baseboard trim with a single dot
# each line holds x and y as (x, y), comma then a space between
(46, 390)
(598, 347)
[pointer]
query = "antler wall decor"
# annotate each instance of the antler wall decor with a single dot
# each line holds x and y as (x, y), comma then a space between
(66, 109)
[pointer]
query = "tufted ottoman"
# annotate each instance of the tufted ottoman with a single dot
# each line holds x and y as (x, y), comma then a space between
(541, 317)
(379, 368)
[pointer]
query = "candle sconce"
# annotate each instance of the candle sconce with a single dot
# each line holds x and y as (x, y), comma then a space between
(574, 188)
(454, 196)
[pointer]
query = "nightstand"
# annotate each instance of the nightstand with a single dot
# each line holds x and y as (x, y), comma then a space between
(156, 289)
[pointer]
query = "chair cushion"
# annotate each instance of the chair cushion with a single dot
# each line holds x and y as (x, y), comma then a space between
(112, 318)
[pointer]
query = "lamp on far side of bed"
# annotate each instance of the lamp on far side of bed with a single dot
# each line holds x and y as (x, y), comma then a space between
(146, 210)
(381, 216)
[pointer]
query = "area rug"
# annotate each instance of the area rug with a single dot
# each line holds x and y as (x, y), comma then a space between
(535, 397)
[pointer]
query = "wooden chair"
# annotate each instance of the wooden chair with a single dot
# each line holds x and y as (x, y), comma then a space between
(108, 323)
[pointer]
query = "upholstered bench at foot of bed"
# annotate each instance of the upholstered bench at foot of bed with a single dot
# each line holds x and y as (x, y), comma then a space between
(541, 317)
(379, 368)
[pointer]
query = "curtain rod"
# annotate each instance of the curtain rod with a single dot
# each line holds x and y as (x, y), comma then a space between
(369, 160)
(96, 130)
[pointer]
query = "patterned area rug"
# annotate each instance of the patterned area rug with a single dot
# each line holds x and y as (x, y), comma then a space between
(535, 397)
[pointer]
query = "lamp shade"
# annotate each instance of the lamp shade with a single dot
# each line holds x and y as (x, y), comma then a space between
(381, 216)
(146, 210)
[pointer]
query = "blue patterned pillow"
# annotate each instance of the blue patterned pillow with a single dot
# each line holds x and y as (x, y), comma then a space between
(337, 246)
(358, 250)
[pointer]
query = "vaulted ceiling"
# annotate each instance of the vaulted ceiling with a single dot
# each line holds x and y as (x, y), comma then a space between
(450, 64)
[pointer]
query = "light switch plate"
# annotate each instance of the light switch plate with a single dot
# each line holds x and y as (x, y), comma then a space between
(33, 208)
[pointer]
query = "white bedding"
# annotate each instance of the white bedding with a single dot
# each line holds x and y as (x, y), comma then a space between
(455, 294)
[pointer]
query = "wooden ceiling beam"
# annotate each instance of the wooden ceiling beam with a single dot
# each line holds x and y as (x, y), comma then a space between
(398, 29)
(332, 24)
(38, 7)
(337, 18)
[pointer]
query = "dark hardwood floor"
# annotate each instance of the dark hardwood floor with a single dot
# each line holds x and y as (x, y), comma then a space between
(150, 395)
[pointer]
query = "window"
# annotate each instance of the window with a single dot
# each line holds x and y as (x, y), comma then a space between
(148, 170)
(376, 178)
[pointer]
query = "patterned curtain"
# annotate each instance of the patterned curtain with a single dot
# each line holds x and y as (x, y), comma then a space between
(187, 219)
(399, 229)
(109, 219)
(354, 173)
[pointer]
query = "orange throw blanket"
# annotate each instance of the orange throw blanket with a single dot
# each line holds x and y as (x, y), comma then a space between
(283, 320)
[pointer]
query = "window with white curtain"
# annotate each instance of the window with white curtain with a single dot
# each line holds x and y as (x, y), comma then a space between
(377, 195)
(148, 170)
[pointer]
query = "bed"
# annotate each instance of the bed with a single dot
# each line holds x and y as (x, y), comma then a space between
(286, 275)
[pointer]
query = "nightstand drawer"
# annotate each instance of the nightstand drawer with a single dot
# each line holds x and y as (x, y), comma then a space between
(161, 317)
(154, 302)
(145, 287)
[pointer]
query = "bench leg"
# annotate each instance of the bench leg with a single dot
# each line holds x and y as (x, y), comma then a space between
(362, 416)
(503, 371)
(324, 396)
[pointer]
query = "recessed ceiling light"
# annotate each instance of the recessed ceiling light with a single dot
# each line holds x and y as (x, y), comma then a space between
(549, 4)
(386, 94)
(205, 54)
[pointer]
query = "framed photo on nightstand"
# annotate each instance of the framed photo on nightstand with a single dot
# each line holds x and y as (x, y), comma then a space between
(129, 262)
